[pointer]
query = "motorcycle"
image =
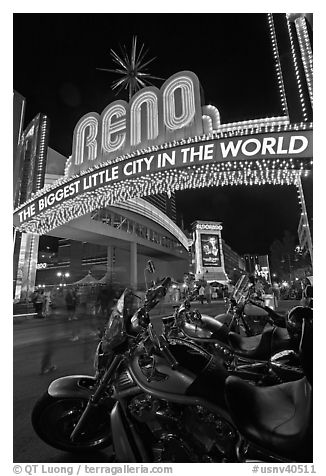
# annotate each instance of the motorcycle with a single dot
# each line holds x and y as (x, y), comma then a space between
(247, 313)
(160, 400)
(268, 358)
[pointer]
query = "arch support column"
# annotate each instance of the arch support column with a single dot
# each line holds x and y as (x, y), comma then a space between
(133, 265)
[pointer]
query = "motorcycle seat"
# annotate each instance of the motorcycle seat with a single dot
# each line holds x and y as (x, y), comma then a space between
(277, 418)
(262, 346)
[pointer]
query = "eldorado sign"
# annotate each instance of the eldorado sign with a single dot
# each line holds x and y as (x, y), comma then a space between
(107, 147)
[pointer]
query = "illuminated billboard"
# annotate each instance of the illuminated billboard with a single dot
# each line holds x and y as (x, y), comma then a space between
(210, 251)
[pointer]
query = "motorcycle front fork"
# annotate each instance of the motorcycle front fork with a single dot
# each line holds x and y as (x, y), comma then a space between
(95, 398)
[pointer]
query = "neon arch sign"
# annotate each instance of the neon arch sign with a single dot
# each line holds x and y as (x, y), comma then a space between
(162, 141)
(153, 117)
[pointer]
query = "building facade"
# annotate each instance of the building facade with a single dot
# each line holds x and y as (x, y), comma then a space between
(30, 151)
(257, 265)
(116, 242)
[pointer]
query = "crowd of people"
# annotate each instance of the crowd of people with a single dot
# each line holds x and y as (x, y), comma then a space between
(75, 299)
(87, 308)
(81, 314)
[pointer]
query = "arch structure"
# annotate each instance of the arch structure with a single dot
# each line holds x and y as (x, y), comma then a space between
(164, 141)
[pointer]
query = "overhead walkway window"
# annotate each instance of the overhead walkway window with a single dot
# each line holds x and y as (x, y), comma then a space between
(130, 226)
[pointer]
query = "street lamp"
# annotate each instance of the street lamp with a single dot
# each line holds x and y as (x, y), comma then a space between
(62, 277)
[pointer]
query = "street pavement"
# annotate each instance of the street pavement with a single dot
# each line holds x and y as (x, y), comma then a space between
(54, 338)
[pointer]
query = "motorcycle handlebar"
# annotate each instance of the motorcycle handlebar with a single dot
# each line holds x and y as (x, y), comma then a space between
(141, 318)
(161, 344)
(167, 354)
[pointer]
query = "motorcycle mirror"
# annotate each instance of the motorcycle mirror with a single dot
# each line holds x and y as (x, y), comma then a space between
(150, 266)
(151, 269)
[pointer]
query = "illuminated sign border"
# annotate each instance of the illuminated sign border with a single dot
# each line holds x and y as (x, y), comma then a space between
(184, 166)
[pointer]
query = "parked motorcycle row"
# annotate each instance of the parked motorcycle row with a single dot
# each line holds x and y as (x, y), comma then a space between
(190, 387)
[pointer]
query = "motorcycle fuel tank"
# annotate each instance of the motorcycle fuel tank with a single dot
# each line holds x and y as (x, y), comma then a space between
(156, 373)
(207, 328)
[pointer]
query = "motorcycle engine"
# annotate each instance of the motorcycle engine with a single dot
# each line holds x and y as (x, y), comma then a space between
(183, 434)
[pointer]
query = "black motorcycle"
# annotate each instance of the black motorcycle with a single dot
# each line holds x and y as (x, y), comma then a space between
(268, 358)
(160, 400)
(247, 313)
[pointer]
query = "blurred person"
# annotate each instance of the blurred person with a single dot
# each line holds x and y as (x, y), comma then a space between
(208, 293)
(49, 336)
(82, 301)
(70, 299)
(214, 292)
(276, 292)
(105, 300)
(201, 294)
(46, 303)
(38, 300)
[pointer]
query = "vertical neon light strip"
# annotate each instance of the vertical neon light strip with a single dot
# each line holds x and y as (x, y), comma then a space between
(306, 53)
(188, 103)
(277, 63)
(150, 99)
(20, 266)
(42, 154)
(304, 215)
(297, 74)
(110, 128)
(91, 144)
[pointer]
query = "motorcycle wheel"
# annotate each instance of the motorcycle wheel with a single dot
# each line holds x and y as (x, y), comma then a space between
(54, 419)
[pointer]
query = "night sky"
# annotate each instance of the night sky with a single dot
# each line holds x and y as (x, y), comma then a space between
(55, 61)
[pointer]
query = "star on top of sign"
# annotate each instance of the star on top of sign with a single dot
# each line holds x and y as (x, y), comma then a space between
(132, 69)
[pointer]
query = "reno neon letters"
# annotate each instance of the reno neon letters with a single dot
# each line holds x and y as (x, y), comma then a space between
(153, 116)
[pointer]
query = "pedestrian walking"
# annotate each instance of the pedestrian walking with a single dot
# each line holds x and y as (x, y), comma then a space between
(46, 303)
(208, 293)
(277, 293)
(49, 335)
(70, 298)
(201, 294)
(214, 293)
(38, 300)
